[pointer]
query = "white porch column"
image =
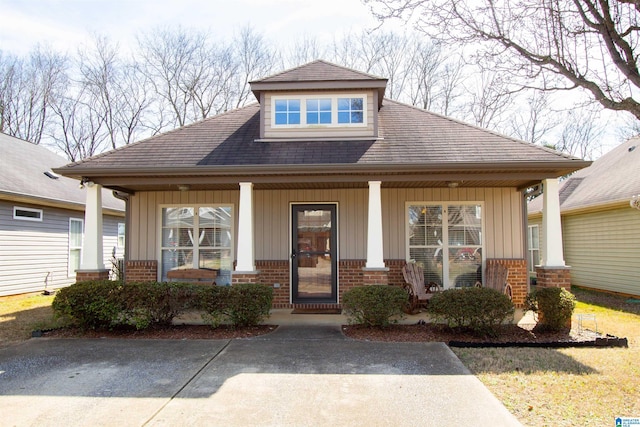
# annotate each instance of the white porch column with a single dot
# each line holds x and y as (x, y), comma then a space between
(375, 257)
(552, 253)
(245, 259)
(92, 253)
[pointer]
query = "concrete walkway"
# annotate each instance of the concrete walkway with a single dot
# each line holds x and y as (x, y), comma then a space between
(299, 375)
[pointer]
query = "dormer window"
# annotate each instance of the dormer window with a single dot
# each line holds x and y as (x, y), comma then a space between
(350, 110)
(287, 112)
(310, 111)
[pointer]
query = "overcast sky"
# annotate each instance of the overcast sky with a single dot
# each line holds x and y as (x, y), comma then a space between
(63, 24)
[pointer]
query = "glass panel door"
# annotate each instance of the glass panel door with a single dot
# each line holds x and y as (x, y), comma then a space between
(313, 255)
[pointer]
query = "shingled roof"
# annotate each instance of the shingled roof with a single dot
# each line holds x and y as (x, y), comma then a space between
(25, 176)
(414, 145)
(613, 178)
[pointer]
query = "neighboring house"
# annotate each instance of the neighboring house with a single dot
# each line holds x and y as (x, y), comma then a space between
(600, 227)
(324, 185)
(42, 220)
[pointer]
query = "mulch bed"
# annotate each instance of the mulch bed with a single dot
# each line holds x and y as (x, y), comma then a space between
(509, 335)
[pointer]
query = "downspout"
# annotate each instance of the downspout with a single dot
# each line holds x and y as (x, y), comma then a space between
(127, 214)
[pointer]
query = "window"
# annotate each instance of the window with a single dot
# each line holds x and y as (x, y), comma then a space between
(197, 237)
(329, 111)
(318, 111)
(350, 110)
(534, 247)
(446, 241)
(27, 214)
(287, 111)
(76, 227)
(121, 234)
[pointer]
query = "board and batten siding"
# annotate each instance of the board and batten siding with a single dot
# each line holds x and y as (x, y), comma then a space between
(35, 253)
(272, 209)
(324, 131)
(603, 249)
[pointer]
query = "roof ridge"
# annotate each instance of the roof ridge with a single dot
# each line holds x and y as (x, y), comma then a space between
(460, 122)
(316, 61)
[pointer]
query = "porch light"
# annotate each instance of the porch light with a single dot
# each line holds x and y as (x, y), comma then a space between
(635, 202)
(183, 187)
(453, 184)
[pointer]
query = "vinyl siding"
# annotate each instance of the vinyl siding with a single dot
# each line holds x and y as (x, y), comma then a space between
(33, 252)
(317, 131)
(603, 249)
(502, 216)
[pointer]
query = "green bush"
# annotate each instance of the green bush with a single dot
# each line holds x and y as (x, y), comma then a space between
(90, 304)
(478, 310)
(554, 307)
(212, 301)
(155, 303)
(374, 305)
(247, 304)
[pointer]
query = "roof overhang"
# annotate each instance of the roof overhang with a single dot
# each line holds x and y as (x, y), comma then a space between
(54, 203)
(520, 175)
(376, 84)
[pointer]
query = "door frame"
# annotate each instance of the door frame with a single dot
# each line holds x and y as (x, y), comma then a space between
(335, 285)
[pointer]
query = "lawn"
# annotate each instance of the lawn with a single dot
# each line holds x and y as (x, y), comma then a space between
(569, 387)
(21, 314)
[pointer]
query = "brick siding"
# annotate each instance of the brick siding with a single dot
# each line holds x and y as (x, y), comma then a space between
(518, 277)
(553, 277)
(86, 275)
(141, 271)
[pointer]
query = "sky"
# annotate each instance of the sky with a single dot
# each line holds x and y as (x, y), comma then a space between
(64, 24)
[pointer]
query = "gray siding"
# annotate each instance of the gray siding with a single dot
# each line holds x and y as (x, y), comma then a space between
(603, 249)
(33, 252)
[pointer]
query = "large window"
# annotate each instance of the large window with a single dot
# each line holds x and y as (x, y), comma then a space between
(534, 247)
(76, 227)
(303, 111)
(446, 240)
(198, 237)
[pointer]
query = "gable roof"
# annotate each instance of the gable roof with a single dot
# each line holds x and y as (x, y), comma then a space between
(613, 178)
(23, 179)
(412, 143)
(319, 74)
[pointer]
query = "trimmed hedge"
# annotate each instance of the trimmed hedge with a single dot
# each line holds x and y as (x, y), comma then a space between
(479, 310)
(374, 305)
(108, 304)
(554, 307)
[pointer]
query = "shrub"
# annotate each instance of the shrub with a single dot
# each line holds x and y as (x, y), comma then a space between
(479, 310)
(246, 304)
(374, 305)
(554, 307)
(90, 304)
(148, 303)
(211, 301)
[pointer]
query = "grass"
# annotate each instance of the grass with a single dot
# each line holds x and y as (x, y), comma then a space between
(569, 387)
(21, 314)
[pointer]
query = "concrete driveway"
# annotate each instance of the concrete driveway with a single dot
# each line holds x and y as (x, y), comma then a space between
(297, 376)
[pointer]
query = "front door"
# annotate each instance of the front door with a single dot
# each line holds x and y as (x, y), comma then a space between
(314, 260)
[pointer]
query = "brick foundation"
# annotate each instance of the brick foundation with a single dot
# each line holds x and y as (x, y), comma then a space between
(87, 275)
(141, 271)
(272, 272)
(553, 277)
(518, 277)
(244, 277)
(376, 276)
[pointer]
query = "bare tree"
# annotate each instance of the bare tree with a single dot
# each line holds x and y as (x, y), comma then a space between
(255, 59)
(555, 44)
(28, 89)
(535, 121)
(581, 134)
(304, 49)
(489, 99)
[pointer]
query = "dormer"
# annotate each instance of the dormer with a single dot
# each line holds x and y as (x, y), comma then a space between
(319, 101)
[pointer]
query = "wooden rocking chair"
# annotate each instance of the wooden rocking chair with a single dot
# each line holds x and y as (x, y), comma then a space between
(496, 278)
(419, 294)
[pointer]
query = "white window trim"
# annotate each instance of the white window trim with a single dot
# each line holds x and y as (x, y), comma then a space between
(334, 111)
(71, 272)
(530, 248)
(445, 233)
(196, 207)
(124, 235)
(27, 218)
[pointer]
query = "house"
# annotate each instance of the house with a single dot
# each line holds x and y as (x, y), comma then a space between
(322, 185)
(600, 222)
(42, 218)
